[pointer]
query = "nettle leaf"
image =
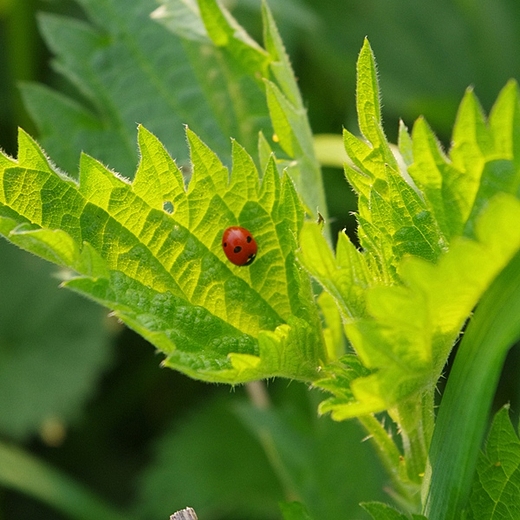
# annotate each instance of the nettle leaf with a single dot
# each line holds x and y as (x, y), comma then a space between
(497, 482)
(394, 219)
(380, 511)
(435, 230)
(151, 251)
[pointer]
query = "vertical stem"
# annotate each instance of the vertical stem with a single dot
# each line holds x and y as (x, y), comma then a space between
(393, 461)
(415, 418)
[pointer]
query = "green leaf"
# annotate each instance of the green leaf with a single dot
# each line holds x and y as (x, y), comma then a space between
(368, 104)
(394, 219)
(380, 511)
(496, 489)
(280, 65)
(346, 276)
(290, 123)
(405, 145)
(367, 94)
(499, 173)
(163, 271)
(504, 121)
(333, 332)
(225, 32)
(438, 180)
(472, 141)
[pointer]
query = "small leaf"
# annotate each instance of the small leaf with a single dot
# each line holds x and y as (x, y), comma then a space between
(368, 104)
(496, 489)
(504, 122)
(437, 180)
(346, 276)
(498, 168)
(295, 138)
(367, 94)
(472, 142)
(333, 333)
(226, 32)
(405, 144)
(380, 511)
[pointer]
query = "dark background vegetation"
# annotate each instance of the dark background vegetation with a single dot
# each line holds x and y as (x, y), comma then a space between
(89, 397)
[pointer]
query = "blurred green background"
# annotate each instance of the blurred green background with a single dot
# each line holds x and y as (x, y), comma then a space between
(87, 396)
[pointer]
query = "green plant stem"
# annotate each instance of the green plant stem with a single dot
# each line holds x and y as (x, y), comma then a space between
(25, 473)
(464, 411)
(391, 459)
(415, 419)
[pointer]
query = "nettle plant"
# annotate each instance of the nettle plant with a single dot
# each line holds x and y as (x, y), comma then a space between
(439, 235)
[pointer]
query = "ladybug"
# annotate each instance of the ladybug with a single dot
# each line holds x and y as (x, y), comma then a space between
(239, 246)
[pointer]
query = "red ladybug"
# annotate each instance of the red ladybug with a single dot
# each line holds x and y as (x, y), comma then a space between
(239, 246)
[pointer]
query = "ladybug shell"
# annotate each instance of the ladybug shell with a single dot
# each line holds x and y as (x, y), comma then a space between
(239, 245)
